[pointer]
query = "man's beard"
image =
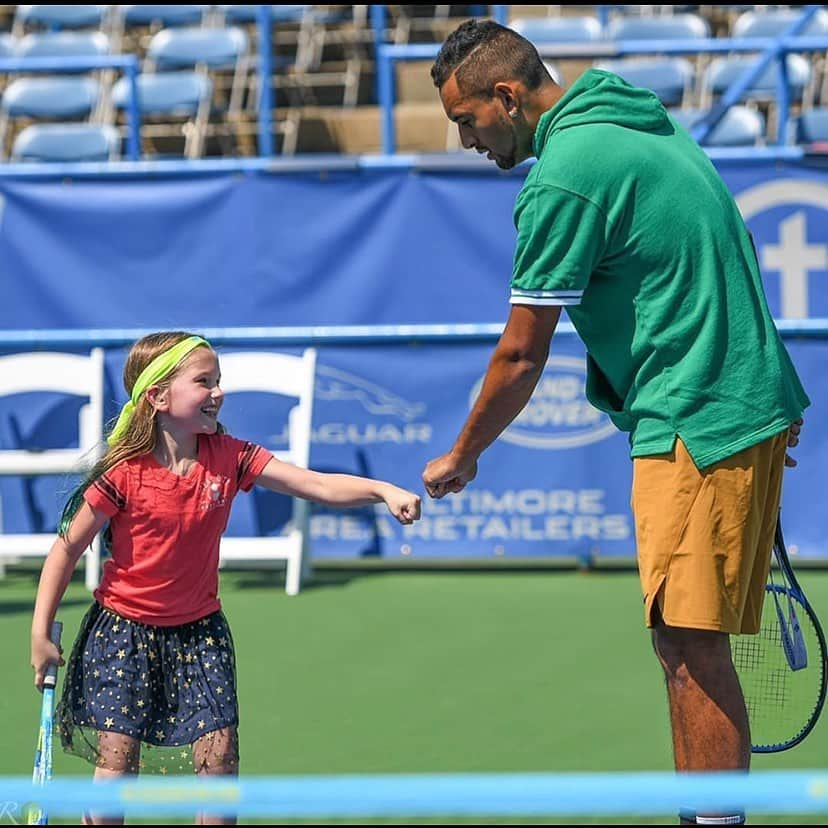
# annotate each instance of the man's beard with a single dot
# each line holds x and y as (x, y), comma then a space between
(506, 162)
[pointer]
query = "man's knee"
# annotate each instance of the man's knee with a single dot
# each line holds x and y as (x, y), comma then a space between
(683, 651)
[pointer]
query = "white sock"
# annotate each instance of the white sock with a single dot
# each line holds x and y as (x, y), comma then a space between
(730, 819)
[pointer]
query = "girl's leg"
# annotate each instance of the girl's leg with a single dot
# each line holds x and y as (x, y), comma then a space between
(217, 754)
(119, 755)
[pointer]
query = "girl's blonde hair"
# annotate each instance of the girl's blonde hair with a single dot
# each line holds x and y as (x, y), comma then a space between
(142, 432)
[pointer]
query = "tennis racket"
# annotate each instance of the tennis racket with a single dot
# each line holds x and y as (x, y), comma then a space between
(782, 669)
(43, 755)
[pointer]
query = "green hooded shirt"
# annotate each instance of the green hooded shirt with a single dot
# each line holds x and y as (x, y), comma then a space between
(625, 220)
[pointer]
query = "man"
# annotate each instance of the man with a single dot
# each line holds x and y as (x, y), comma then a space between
(624, 220)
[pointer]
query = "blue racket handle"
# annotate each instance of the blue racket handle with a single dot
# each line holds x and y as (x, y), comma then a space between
(50, 679)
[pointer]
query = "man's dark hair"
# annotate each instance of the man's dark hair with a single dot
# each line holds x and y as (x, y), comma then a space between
(482, 53)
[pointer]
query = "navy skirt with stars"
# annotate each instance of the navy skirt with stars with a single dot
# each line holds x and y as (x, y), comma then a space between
(166, 687)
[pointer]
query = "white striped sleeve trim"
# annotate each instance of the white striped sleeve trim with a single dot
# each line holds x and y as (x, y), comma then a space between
(545, 297)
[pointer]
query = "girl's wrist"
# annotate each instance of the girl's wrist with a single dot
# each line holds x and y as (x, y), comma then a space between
(40, 632)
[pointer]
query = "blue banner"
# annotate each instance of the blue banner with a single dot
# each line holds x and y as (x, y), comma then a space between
(390, 247)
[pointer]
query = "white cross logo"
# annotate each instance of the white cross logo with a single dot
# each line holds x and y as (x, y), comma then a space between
(793, 258)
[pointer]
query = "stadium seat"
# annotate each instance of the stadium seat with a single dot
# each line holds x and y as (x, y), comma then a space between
(63, 44)
(57, 17)
(290, 376)
(752, 24)
(724, 71)
(774, 23)
(542, 30)
(191, 46)
(53, 373)
(811, 127)
(66, 143)
(221, 53)
(231, 14)
(162, 15)
(670, 78)
(740, 126)
(50, 98)
(171, 104)
(684, 26)
(131, 26)
(658, 27)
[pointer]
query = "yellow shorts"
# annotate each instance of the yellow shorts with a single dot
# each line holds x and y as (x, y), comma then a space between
(705, 537)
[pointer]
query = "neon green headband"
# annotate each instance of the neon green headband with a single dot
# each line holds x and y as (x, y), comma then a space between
(163, 365)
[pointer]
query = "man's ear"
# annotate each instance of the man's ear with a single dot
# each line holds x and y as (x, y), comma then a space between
(158, 397)
(508, 97)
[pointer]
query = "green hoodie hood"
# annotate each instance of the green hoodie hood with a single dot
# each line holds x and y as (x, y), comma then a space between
(600, 97)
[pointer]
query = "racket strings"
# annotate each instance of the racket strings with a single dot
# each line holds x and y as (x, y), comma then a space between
(781, 702)
(768, 689)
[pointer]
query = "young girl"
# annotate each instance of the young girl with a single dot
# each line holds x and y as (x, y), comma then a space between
(153, 664)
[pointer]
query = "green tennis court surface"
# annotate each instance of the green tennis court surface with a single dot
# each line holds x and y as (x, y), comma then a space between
(412, 672)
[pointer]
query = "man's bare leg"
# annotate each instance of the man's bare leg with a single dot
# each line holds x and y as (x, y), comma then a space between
(707, 708)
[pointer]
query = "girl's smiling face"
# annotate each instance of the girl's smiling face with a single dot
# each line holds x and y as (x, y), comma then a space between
(194, 396)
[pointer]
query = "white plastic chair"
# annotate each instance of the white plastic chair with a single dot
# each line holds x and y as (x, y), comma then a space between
(58, 373)
(291, 376)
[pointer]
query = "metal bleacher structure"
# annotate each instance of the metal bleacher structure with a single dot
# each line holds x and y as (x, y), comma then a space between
(186, 82)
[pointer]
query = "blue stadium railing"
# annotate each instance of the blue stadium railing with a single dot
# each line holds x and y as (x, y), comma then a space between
(281, 337)
(432, 795)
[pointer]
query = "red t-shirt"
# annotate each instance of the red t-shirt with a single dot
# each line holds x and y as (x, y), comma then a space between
(166, 529)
